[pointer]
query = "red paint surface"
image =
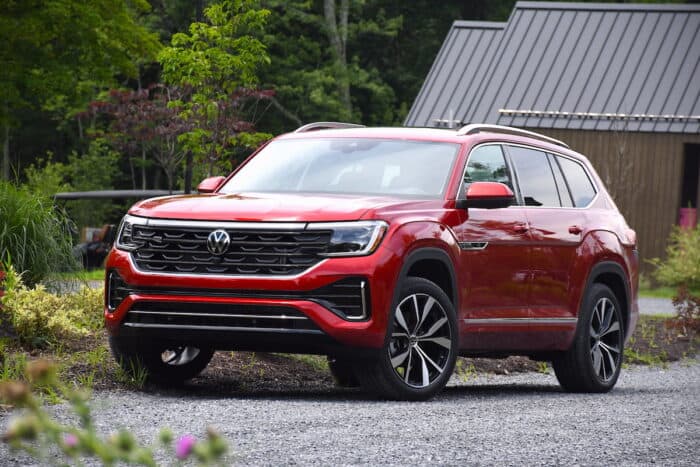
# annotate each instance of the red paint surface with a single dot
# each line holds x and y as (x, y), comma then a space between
(536, 265)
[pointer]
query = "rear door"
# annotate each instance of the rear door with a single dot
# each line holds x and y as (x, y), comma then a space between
(556, 229)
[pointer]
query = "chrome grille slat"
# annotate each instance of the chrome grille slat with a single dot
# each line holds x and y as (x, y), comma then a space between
(221, 316)
(218, 265)
(218, 315)
(183, 250)
(221, 328)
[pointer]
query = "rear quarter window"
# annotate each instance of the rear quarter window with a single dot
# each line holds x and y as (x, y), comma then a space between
(580, 185)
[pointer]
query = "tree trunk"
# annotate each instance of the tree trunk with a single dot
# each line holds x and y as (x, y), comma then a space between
(188, 172)
(143, 167)
(198, 11)
(337, 27)
(6, 153)
(133, 173)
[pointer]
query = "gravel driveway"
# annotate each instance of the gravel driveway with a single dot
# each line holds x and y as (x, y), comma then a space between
(651, 417)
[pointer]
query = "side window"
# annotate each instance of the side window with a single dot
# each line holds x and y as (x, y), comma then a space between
(564, 195)
(487, 164)
(535, 177)
(582, 190)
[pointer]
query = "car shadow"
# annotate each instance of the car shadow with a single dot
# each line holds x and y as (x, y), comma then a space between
(234, 390)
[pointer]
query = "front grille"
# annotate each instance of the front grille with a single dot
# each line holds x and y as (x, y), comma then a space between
(183, 250)
(221, 317)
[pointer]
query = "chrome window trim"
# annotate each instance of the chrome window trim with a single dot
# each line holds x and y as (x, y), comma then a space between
(556, 153)
(512, 170)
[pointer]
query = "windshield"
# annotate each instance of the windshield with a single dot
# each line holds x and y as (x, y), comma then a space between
(348, 165)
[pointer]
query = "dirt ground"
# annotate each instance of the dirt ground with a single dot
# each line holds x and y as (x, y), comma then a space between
(88, 362)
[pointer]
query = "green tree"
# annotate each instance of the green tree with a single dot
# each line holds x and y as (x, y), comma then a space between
(217, 61)
(317, 67)
(57, 54)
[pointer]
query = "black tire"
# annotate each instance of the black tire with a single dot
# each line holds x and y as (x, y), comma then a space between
(343, 372)
(433, 340)
(161, 367)
(592, 364)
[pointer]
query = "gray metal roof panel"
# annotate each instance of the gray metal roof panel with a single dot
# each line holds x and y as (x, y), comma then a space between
(457, 65)
(575, 57)
(608, 6)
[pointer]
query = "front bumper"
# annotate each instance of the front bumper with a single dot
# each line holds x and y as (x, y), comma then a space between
(241, 313)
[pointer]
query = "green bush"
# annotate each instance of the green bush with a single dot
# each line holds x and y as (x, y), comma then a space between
(34, 236)
(40, 317)
(682, 264)
(96, 169)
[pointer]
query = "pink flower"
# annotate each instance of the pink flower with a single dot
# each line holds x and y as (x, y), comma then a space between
(70, 440)
(184, 446)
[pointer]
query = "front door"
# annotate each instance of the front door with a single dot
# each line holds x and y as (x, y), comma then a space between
(495, 257)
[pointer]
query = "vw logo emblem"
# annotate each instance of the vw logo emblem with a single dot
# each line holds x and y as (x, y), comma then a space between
(218, 242)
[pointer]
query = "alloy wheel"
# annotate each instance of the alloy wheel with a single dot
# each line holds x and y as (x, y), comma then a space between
(179, 355)
(421, 341)
(605, 340)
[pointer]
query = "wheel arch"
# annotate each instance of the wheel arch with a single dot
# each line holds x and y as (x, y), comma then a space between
(435, 265)
(612, 275)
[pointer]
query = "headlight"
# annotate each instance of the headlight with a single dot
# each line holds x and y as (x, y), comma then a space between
(352, 238)
(125, 240)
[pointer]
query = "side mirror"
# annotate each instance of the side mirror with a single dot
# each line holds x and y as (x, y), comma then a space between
(488, 195)
(209, 185)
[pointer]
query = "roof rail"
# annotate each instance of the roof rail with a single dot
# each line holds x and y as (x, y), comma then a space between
(479, 127)
(325, 126)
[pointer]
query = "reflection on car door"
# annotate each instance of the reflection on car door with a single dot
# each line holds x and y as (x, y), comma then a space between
(556, 232)
(495, 257)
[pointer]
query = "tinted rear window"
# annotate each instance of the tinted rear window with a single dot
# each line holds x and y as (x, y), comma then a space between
(535, 177)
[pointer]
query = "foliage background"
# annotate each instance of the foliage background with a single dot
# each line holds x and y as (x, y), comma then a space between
(255, 68)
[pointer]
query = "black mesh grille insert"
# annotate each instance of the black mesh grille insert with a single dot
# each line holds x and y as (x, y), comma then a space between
(251, 252)
(118, 290)
(222, 316)
(349, 297)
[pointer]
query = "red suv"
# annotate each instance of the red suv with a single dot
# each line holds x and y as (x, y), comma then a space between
(392, 251)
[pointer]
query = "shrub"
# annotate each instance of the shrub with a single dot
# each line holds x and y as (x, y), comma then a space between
(34, 236)
(687, 319)
(682, 264)
(40, 317)
(96, 169)
(37, 433)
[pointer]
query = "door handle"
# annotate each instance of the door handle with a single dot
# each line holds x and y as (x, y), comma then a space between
(575, 229)
(521, 228)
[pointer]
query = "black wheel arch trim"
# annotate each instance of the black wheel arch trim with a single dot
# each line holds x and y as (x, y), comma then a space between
(428, 253)
(612, 267)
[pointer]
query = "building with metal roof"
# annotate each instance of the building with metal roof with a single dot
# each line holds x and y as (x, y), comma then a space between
(619, 82)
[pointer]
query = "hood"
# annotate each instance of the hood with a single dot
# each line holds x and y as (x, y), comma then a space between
(258, 207)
